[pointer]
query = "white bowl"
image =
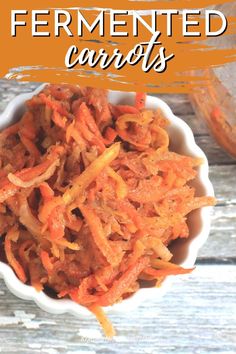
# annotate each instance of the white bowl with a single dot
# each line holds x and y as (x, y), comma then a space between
(185, 251)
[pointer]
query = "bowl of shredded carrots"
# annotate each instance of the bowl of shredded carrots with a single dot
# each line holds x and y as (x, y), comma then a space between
(103, 196)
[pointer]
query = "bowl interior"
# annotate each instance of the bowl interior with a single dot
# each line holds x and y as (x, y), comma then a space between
(181, 141)
(184, 250)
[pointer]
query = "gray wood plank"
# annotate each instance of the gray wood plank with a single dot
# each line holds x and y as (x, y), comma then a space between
(197, 315)
(197, 125)
(10, 89)
(221, 243)
(215, 155)
(223, 179)
(179, 103)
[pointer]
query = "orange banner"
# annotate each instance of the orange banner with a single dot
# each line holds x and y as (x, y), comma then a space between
(153, 50)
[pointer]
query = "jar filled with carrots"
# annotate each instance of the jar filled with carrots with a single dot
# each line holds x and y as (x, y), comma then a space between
(216, 105)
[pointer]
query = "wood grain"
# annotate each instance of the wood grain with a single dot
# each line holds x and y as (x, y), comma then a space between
(198, 315)
(223, 179)
(221, 243)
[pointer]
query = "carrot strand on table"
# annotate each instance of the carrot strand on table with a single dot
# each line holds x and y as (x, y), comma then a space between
(103, 320)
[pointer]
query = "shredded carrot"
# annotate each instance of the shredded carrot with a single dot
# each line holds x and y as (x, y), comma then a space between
(121, 285)
(56, 223)
(71, 245)
(24, 250)
(91, 197)
(164, 272)
(110, 135)
(30, 146)
(46, 191)
(59, 120)
(47, 208)
(140, 101)
(103, 320)
(12, 130)
(81, 182)
(10, 256)
(27, 174)
(37, 180)
(97, 232)
(27, 126)
(55, 105)
(121, 189)
(46, 261)
(119, 110)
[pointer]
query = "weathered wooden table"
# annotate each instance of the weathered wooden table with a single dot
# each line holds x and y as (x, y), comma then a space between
(198, 315)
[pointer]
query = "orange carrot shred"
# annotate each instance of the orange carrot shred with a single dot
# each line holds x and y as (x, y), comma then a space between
(103, 320)
(140, 101)
(164, 272)
(46, 261)
(10, 256)
(97, 232)
(122, 285)
(46, 191)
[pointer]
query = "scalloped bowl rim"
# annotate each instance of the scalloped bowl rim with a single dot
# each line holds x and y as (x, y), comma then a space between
(60, 306)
